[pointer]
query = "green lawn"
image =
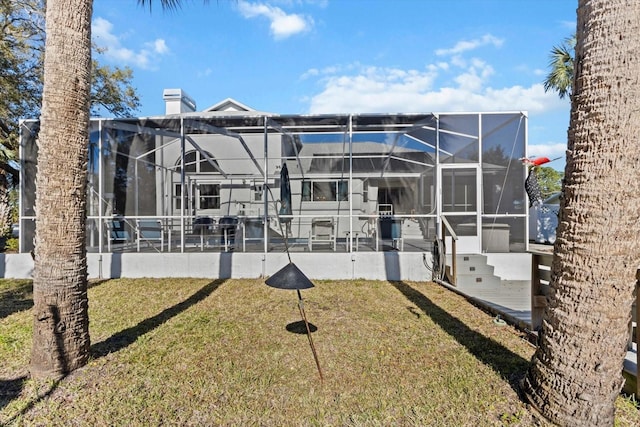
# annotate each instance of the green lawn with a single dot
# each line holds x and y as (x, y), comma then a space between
(200, 352)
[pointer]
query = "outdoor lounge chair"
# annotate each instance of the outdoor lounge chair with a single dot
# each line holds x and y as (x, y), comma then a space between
(117, 232)
(149, 230)
(322, 232)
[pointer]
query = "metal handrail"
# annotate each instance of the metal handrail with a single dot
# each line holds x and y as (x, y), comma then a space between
(446, 227)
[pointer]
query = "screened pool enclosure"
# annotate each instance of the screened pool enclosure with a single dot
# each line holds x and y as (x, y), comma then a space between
(249, 182)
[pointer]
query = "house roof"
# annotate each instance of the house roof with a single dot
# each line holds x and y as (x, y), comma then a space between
(228, 104)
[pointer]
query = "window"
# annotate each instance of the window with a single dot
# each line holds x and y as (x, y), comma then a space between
(198, 162)
(365, 191)
(257, 193)
(209, 196)
(177, 196)
(325, 191)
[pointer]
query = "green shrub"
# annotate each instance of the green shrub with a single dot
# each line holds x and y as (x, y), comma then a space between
(11, 245)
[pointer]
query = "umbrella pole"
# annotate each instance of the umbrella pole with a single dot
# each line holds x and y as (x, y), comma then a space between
(306, 323)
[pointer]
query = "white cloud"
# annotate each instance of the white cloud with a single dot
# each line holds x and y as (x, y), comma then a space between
(101, 29)
(160, 46)
(456, 84)
(375, 89)
(551, 150)
(474, 77)
(290, 3)
(312, 72)
(465, 45)
(282, 25)
(205, 73)
(146, 57)
(569, 25)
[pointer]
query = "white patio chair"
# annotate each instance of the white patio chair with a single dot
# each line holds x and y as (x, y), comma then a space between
(149, 230)
(117, 232)
(322, 232)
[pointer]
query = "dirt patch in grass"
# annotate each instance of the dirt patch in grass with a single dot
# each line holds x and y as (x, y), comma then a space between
(201, 352)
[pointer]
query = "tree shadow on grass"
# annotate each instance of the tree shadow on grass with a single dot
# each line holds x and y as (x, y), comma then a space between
(20, 297)
(11, 389)
(15, 299)
(508, 364)
(128, 336)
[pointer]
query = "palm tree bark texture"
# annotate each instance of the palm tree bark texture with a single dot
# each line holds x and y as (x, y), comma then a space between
(61, 324)
(576, 372)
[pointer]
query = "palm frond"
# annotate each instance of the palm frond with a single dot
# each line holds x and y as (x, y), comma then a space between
(166, 4)
(561, 64)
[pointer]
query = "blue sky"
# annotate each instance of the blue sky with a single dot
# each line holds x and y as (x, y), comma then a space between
(347, 56)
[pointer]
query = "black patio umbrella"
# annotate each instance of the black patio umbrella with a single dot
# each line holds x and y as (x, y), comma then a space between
(285, 195)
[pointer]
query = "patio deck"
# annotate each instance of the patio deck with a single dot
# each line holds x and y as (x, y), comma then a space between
(511, 300)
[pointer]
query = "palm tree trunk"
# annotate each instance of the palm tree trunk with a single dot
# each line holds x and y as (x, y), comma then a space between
(61, 323)
(576, 373)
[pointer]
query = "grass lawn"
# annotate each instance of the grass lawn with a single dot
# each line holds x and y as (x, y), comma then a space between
(201, 352)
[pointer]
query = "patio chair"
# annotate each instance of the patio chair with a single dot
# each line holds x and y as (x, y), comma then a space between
(322, 232)
(203, 225)
(201, 229)
(252, 230)
(149, 230)
(227, 226)
(117, 232)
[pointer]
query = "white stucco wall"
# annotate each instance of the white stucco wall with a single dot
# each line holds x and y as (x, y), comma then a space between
(317, 266)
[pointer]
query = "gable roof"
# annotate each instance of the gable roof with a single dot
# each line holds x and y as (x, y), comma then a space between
(228, 104)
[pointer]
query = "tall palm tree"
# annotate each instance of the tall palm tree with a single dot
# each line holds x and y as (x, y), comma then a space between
(576, 372)
(560, 77)
(61, 323)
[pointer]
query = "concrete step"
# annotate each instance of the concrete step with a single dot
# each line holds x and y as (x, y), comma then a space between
(473, 271)
(477, 280)
(473, 264)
